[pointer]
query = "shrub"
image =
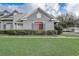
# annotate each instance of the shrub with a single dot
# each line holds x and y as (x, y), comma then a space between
(26, 32)
(2, 31)
(19, 32)
(50, 32)
(10, 32)
(58, 29)
(39, 33)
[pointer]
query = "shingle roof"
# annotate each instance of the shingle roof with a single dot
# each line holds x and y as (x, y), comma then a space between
(27, 15)
(9, 14)
(5, 11)
(42, 11)
(48, 15)
(15, 11)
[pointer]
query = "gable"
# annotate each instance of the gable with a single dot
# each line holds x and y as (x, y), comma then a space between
(39, 14)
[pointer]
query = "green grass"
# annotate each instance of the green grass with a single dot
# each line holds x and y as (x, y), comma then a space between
(39, 46)
(70, 34)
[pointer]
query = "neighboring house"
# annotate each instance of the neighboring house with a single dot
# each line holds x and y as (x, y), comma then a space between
(69, 29)
(38, 20)
(75, 28)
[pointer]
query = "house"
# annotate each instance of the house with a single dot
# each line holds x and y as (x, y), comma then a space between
(76, 26)
(37, 20)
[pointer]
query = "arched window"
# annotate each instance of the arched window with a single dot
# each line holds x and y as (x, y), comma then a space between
(38, 15)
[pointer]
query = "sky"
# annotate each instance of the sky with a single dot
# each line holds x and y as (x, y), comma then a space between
(51, 8)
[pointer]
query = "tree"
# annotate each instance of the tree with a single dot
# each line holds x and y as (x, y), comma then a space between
(66, 20)
(58, 28)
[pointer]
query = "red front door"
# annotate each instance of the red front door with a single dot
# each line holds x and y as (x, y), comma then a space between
(38, 26)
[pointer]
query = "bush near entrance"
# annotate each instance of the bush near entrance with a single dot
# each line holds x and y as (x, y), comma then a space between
(27, 32)
(57, 31)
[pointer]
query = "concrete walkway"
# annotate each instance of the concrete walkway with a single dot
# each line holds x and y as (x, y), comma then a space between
(36, 37)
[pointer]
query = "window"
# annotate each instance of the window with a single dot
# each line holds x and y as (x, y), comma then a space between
(4, 26)
(8, 26)
(38, 15)
(19, 26)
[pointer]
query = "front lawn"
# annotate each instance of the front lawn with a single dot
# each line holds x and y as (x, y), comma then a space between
(38, 46)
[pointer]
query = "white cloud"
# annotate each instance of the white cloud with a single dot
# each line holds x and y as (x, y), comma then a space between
(51, 8)
(74, 8)
(2, 7)
(12, 7)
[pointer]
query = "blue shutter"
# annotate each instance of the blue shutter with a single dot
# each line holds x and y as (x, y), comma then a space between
(43, 26)
(32, 26)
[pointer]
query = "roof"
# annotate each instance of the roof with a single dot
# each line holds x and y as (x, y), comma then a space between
(6, 19)
(48, 15)
(5, 11)
(9, 15)
(42, 11)
(15, 11)
(24, 16)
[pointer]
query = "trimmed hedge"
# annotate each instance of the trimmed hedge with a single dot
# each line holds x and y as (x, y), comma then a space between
(26, 32)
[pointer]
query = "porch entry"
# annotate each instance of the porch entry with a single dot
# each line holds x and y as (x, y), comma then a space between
(38, 26)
